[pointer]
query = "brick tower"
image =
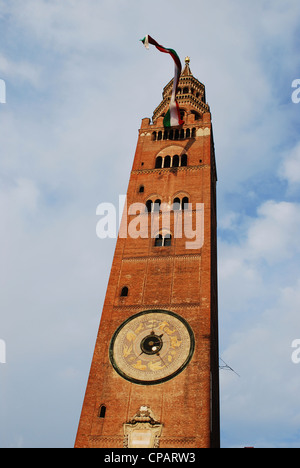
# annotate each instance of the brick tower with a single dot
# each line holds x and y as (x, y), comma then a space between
(154, 379)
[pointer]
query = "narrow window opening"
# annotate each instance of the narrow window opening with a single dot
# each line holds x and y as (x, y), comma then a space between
(167, 161)
(124, 292)
(163, 241)
(141, 189)
(159, 241)
(185, 202)
(176, 204)
(176, 160)
(157, 205)
(102, 411)
(158, 162)
(167, 240)
(184, 160)
(149, 206)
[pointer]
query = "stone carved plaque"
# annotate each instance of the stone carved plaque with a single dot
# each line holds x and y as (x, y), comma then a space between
(143, 431)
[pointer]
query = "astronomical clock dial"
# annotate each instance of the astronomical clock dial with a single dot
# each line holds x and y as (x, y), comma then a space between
(152, 347)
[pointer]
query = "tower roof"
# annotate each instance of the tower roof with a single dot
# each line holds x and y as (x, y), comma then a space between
(187, 71)
(190, 95)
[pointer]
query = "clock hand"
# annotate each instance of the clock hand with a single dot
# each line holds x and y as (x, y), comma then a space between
(161, 359)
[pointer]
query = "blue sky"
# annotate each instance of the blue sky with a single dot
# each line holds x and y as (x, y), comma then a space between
(78, 84)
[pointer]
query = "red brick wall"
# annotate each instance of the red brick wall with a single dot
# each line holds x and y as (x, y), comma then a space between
(171, 278)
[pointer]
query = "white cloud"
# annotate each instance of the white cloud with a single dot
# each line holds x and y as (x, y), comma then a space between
(259, 311)
(20, 71)
(274, 234)
(250, 265)
(265, 397)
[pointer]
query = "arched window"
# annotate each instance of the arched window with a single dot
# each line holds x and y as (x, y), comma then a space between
(185, 202)
(159, 241)
(176, 160)
(184, 160)
(157, 204)
(102, 412)
(124, 292)
(180, 204)
(159, 136)
(141, 189)
(154, 136)
(193, 133)
(158, 162)
(176, 204)
(149, 204)
(167, 240)
(188, 133)
(163, 240)
(167, 162)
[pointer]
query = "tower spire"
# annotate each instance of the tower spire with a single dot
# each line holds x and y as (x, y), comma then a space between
(187, 71)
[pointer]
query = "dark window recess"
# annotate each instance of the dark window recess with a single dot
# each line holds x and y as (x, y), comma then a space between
(168, 240)
(124, 292)
(184, 160)
(159, 241)
(179, 204)
(176, 161)
(176, 204)
(185, 202)
(102, 411)
(157, 205)
(158, 162)
(149, 206)
(167, 161)
(163, 241)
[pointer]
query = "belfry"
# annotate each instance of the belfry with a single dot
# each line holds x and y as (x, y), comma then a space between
(154, 378)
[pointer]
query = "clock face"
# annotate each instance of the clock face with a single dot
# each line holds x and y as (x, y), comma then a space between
(152, 347)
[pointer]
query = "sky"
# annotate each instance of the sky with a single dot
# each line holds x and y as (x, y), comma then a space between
(78, 83)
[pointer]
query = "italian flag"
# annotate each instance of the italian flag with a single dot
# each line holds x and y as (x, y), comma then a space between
(172, 117)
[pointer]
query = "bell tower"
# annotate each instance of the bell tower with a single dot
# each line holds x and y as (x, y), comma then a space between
(154, 378)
